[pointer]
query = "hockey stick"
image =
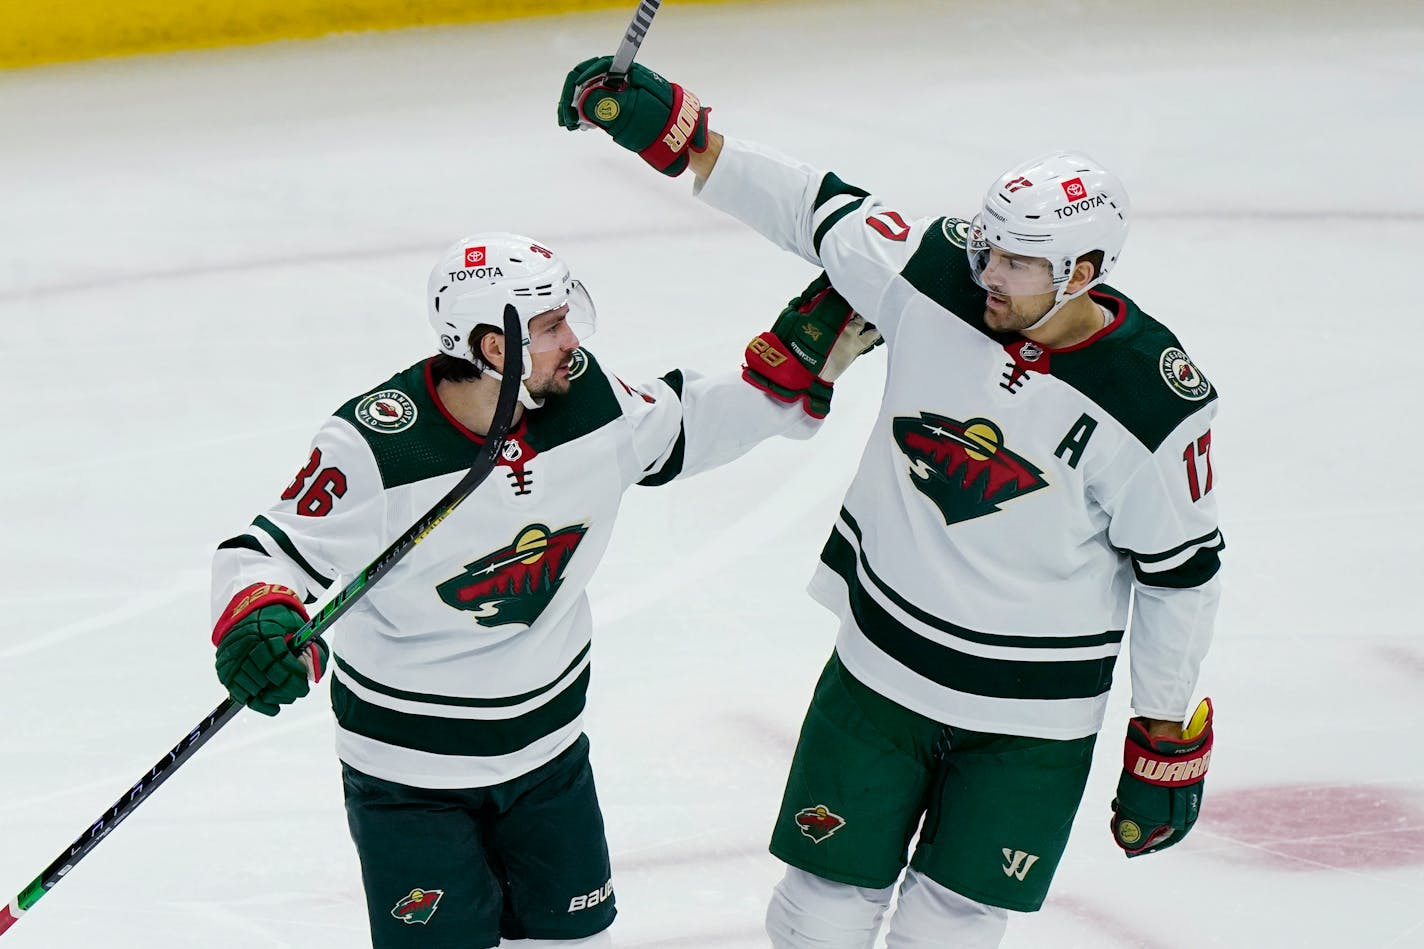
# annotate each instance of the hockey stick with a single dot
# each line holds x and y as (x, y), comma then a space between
(353, 591)
(637, 30)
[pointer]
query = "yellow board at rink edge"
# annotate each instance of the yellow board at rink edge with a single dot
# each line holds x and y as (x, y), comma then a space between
(42, 31)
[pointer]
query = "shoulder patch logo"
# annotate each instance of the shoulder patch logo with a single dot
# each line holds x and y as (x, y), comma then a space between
(515, 583)
(818, 823)
(1181, 376)
(963, 467)
(418, 906)
(578, 364)
(387, 411)
(956, 231)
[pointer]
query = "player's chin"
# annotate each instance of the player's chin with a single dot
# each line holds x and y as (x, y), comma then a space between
(999, 320)
(556, 385)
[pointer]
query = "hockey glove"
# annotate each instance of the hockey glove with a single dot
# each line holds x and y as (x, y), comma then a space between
(254, 662)
(811, 343)
(1159, 793)
(659, 120)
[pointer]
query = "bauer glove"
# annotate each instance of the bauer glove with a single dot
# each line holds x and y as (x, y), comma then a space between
(659, 120)
(811, 343)
(254, 662)
(1160, 791)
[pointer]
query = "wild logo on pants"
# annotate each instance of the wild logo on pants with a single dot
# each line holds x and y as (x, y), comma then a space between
(418, 907)
(818, 823)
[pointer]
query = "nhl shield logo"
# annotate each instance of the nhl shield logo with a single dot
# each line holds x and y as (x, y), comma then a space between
(818, 823)
(963, 467)
(418, 906)
(515, 583)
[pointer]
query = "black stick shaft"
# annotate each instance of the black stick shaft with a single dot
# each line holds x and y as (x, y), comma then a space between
(632, 40)
(353, 591)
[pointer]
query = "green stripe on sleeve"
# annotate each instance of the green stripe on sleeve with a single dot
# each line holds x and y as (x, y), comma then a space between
(832, 187)
(244, 542)
(283, 541)
(1169, 554)
(1202, 566)
(832, 220)
(674, 464)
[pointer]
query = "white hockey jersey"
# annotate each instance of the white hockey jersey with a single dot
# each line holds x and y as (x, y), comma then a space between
(468, 663)
(1010, 499)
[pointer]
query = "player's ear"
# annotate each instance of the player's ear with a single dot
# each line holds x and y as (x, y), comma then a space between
(1085, 270)
(491, 349)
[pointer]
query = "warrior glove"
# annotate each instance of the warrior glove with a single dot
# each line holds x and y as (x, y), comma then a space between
(254, 662)
(1159, 793)
(659, 120)
(816, 337)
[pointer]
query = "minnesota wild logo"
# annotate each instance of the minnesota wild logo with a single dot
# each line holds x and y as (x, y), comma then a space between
(418, 906)
(963, 467)
(515, 583)
(818, 823)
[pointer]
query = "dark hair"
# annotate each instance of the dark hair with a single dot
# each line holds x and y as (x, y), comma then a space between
(1094, 257)
(446, 368)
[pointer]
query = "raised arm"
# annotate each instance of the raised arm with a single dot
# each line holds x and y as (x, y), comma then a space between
(859, 241)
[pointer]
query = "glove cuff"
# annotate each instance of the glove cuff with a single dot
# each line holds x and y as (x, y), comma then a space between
(1170, 762)
(1166, 770)
(253, 598)
(686, 116)
(313, 657)
(768, 355)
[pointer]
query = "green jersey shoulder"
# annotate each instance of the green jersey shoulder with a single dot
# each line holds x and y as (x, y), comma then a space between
(413, 438)
(1139, 372)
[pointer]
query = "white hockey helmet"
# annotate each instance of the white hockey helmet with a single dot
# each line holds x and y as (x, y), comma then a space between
(477, 276)
(1059, 207)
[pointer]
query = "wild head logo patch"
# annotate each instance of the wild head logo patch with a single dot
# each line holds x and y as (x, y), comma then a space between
(387, 411)
(417, 907)
(515, 583)
(818, 822)
(578, 364)
(963, 467)
(1182, 376)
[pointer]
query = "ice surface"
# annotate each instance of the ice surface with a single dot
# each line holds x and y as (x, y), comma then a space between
(201, 255)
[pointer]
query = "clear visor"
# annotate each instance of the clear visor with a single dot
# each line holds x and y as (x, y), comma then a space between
(1002, 273)
(565, 326)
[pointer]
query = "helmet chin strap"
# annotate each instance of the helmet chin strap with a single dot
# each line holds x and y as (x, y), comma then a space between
(1053, 310)
(526, 398)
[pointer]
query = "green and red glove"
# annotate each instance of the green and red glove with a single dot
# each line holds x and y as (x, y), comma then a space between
(254, 662)
(1160, 791)
(816, 337)
(659, 120)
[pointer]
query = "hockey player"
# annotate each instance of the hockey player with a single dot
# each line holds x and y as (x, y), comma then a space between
(460, 681)
(1042, 456)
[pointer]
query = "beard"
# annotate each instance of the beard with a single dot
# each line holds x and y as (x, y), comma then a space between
(554, 384)
(1016, 313)
(550, 386)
